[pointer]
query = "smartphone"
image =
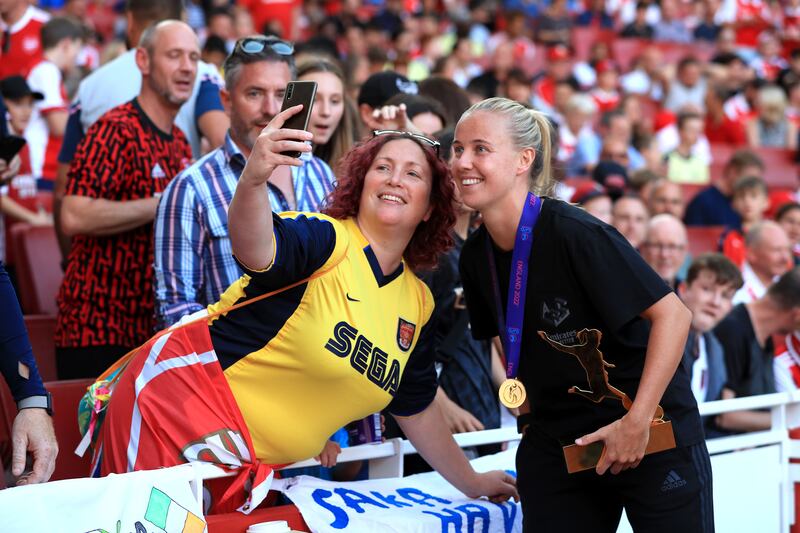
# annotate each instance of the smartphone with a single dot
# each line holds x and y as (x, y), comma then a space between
(299, 92)
(10, 145)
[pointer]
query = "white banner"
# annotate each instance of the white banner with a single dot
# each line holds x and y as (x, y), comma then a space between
(424, 502)
(138, 502)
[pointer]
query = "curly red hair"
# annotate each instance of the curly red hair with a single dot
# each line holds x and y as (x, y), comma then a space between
(432, 237)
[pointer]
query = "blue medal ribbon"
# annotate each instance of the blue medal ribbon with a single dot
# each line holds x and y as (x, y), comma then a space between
(511, 332)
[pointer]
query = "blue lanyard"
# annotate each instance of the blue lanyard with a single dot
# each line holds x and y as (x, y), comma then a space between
(511, 332)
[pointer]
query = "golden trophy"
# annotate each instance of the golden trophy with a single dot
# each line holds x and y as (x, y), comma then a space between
(591, 359)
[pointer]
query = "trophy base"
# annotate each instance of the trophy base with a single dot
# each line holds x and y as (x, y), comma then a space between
(581, 458)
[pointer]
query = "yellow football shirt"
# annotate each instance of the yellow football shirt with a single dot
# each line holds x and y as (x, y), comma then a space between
(335, 348)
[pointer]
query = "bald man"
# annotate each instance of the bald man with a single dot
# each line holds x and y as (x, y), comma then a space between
(666, 197)
(768, 255)
(121, 167)
(664, 247)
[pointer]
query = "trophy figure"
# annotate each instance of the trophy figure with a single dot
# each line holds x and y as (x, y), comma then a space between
(590, 357)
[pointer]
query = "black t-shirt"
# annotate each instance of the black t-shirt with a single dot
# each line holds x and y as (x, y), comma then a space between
(582, 274)
(749, 366)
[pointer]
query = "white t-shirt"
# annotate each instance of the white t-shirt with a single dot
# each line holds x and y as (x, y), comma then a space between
(45, 78)
(700, 371)
(120, 81)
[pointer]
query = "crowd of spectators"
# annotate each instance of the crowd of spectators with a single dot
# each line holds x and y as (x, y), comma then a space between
(669, 115)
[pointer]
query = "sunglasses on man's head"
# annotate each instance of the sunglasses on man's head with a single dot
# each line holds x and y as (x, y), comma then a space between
(256, 45)
(425, 140)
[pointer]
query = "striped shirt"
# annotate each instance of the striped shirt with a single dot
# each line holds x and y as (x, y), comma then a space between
(193, 258)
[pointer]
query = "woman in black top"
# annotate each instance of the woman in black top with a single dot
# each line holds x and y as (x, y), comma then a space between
(586, 288)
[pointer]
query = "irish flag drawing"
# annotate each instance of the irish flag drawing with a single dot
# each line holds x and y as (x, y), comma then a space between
(164, 512)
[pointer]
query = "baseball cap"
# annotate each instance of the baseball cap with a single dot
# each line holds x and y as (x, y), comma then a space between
(14, 87)
(383, 85)
(558, 52)
(605, 65)
(613, 176)
(587, 191)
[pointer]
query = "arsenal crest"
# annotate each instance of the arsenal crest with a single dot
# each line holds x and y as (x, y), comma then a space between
(405, 334)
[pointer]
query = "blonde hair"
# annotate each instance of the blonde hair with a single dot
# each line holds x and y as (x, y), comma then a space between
(772, 102)
(528, 128)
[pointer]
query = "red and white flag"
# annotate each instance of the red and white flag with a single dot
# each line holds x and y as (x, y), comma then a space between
(172, 405)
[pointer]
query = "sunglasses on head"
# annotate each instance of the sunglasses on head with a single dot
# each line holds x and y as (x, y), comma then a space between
(425, 140)
(256, 45)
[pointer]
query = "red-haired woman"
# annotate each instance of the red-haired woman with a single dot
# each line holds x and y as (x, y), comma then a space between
(346, 335)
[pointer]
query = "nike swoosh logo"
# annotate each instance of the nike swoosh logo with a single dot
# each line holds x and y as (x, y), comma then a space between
(351, 299)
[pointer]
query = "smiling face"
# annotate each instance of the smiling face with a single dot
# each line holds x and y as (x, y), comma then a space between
(328, 105)
(397, 187)
(486, 166)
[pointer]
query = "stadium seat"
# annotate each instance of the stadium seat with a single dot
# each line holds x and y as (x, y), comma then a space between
(626, 51)
(8, 410)
(780, 168)
(38, 263)
(583, 38)
(690, 191)
(66, 396)
(41, 331)
(238, 522)
(703, 239)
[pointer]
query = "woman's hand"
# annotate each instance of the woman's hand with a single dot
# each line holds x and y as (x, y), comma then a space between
(266, 153)
(497, 485)
(394, 117)
(625, 441)
(327, 457)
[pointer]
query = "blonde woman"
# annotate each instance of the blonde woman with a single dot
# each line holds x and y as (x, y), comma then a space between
(583, 304)
(771, 128)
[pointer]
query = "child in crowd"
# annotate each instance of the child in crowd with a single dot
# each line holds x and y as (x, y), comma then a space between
(18, 198)
(683, 165)
(62, 39)
(750, 201)
(605, 94)
(788, 216)
(708, 292)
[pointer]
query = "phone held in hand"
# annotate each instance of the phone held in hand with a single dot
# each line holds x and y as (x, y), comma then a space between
(298, 92)
(10, 145)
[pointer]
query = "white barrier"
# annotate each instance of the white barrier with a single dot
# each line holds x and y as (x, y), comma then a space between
(753, 478)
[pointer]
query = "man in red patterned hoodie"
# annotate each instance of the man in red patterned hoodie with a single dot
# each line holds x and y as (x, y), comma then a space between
(105, 304)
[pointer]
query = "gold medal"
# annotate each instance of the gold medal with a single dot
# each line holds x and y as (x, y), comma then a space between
(512, 393)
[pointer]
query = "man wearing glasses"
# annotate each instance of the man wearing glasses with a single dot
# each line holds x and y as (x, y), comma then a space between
(664, 247)
(193, 259)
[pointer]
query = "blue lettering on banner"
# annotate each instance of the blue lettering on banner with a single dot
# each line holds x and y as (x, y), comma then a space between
(417, 496)
(475, 512)
(475, 516)
(354, 500)
(509, 510)
(391, 499)
(340, 517)
(447, 517)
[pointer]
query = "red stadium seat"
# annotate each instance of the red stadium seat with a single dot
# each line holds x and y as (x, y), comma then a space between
(690, 191)
(780, 168)
(38, 267)
(66, 396)
(41, 331)
(238, 522)
(8, 410)
(626, 51)
(583, 38)
(703, 239)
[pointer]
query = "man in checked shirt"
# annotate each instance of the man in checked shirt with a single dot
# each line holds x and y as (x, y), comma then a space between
(193, 259)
